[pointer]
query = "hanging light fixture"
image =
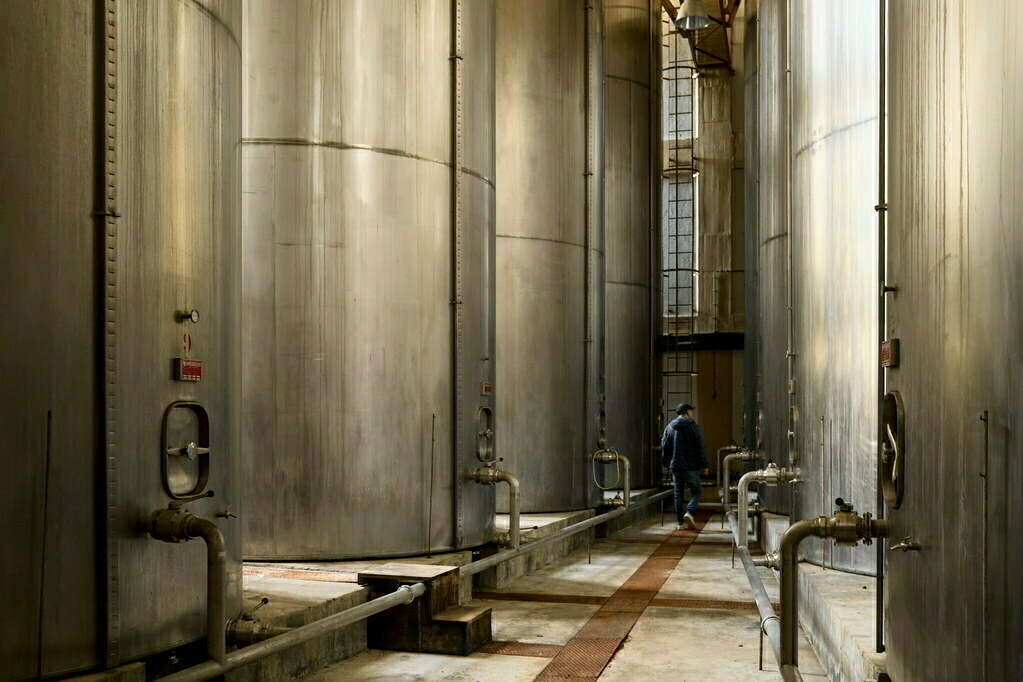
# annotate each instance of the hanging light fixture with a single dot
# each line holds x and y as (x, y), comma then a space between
(692, 16)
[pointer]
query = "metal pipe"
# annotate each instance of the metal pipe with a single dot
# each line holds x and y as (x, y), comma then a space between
(216, 585)
(882, 325)
(729, 449)
(492, 475)
(405, 594)
(742, 539)
(846, 528)
(742, 456)
(772, 475)
(174, 525)
(790, 353)
(499, 558)
(611, 457)
(768, 618)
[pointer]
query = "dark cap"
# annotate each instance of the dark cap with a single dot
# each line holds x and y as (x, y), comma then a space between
(684, 407)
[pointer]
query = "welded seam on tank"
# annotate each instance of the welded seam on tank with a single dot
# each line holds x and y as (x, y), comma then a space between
(345, 146)
(640, 285)
(629, 80)
(836, 131)
(541, 239)
(771, 239)
(217, 20)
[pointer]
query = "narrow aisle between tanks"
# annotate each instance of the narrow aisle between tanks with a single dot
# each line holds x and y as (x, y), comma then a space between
(651, 603)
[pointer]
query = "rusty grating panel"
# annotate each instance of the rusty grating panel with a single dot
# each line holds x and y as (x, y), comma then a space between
(583, 658)
(521, 649)
(608, 625)
(550, 598)
(588, 653)
(629, 541)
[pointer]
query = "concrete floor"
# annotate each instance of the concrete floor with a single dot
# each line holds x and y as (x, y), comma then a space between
(708, 630)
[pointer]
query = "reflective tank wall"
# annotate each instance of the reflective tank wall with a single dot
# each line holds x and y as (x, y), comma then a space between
(549, 248)
(632, 62)
(834, 233)
(772, 416)
(120, 208)
(358, 345)
(955, 254)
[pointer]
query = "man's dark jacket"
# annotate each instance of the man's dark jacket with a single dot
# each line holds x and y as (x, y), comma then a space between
(682, 445)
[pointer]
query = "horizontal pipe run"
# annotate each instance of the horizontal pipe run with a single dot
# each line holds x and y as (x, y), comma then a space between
(405, 594)
(499, 558)
(768, 617)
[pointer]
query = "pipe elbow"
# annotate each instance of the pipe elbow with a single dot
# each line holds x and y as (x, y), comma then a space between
(510, 479)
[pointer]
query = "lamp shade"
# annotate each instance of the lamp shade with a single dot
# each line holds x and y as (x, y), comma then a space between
(692, 16)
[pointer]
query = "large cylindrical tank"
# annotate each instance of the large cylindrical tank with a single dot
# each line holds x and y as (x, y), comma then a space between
(772, 414)
(632, 67)
(549, 248)
(368, 311)
(834, 233)
(955, 210)
(120, 210)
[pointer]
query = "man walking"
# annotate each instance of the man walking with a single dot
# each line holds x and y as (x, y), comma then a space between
(682, 451)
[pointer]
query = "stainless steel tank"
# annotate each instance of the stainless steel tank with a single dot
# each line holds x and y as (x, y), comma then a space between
(955, 208)
(632, 67)
(549, 248)
(368, 296)
(772, 416)
(834, 232)
(121, 211)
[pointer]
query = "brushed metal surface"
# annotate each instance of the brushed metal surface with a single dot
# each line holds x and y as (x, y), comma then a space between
(348, 260)
(542, 272)
(772, 271)
(955, 254)
(631, 58)
(835, 171)
(177, 245)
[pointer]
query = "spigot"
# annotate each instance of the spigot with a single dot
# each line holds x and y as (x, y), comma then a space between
(907, 545)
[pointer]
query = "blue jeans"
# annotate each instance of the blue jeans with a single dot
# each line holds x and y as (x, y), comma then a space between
(687, 478)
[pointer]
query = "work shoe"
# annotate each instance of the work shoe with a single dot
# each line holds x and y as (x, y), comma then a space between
(690, 522)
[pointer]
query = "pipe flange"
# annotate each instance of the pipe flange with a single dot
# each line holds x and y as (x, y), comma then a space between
(170, 525)
(485, 475)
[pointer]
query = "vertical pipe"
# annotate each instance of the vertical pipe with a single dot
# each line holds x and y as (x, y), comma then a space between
(790, 353)
(514, 500)
(216, 586)
(457, 154)
(594, 349)
(795, 534)
(743, 505)
(882, 247)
